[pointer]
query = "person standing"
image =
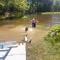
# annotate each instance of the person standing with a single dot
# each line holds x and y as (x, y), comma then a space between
(33, 23)
(25, 38)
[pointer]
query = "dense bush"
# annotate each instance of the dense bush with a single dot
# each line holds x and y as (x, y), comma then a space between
(53, 36)
(13, 7)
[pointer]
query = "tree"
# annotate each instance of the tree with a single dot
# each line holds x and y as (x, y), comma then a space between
(1, 8)
(14, 6)
(22, 5)
(40, 6)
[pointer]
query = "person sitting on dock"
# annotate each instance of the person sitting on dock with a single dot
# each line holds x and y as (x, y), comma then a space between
(26, 39)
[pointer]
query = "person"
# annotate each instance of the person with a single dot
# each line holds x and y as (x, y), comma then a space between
(26, 29)
(33, 23)
(29, 41)
(25, 38)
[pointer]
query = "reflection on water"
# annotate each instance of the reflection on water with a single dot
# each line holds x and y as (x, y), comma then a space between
(56, 19)
(49, 20)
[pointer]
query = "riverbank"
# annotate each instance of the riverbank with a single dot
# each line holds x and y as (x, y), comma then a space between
(50, 13)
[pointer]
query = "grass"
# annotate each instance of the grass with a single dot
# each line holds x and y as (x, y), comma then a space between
(42, 50)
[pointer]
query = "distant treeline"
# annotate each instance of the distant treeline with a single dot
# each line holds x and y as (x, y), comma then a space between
(22, 7)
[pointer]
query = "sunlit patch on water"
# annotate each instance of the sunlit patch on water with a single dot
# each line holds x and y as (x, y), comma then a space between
(30, 29)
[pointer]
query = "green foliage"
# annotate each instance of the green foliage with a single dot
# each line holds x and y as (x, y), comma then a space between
(39, 6)
(56, 6)
(14, 7)
(21, 7)
(21, 4)
(56, 28)
(53, 36)
(52, 42)
(1, 8)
